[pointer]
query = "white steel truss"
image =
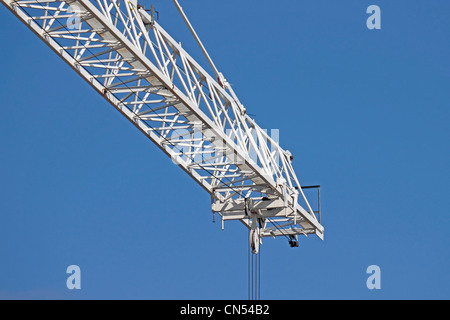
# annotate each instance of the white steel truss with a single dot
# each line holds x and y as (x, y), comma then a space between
(128, 58)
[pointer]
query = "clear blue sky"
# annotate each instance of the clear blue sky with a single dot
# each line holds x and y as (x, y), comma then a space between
(365, 112)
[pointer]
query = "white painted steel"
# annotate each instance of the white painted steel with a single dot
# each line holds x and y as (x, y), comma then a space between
(130, 60)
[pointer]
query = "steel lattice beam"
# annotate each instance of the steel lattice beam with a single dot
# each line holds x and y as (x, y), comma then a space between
(128, 58)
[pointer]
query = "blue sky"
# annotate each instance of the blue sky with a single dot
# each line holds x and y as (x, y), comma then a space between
(365, 112)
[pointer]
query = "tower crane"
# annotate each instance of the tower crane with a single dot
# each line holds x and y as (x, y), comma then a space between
(195, 118)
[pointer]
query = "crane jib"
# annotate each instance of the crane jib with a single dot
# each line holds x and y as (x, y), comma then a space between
(195, 118)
